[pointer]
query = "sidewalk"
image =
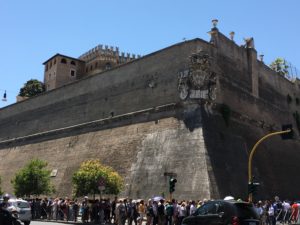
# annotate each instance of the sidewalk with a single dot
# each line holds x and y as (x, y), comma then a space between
(91, 223)
(60, 221)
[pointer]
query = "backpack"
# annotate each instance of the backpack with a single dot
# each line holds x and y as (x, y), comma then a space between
(170, 210)
(161, 209)
(150, 211)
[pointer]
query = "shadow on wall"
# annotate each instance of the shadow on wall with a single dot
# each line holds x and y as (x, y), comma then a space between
(227, 154)
(192, 119)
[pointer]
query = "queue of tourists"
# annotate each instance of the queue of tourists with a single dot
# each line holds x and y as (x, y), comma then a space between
(154, 211)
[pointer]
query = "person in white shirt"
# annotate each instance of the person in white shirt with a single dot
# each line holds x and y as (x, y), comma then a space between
(286, 211)
(271, 214)
(182, 213)
(192, 208)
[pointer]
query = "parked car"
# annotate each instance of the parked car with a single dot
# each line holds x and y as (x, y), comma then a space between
(221, 212)
(23, 208)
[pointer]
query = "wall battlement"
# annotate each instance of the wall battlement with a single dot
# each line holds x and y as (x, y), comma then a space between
(108, 51)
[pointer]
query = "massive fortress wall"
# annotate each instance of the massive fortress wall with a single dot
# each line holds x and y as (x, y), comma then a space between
(132, 118)
(118, 91)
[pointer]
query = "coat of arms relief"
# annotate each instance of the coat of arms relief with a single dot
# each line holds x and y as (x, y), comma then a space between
(198, 81)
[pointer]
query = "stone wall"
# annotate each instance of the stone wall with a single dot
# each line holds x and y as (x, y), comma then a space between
(122, 116)
(142, 153)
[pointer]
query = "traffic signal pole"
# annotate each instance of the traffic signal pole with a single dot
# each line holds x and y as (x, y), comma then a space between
(172, 182)
(250, 196)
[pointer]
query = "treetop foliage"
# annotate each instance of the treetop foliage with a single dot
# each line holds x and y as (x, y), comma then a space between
(32, 88)
(32, 179)
(86, 179)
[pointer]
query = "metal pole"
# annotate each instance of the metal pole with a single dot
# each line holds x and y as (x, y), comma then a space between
(253, 151)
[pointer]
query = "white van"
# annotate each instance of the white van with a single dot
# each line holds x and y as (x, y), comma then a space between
(23, 208)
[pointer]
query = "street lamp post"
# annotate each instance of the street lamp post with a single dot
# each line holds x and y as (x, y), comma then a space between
(250, 196)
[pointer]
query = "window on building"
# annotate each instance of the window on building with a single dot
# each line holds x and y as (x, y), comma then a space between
(73, 63)
(54, 62)
(49, 75)
(63, 60)
(50, 64)
(96, 64)
(46, 67)
(91, 68)
(73, 73)
(86, 69)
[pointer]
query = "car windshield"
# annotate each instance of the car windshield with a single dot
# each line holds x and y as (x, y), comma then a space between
(246, 211)
(209, 208)
(20, 204)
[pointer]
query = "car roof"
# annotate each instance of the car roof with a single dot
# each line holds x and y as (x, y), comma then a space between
(231, 201)
(17, 200)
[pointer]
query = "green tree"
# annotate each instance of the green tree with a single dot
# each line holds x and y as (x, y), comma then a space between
(280, 66)
(32, 88)
(32, 179)
(85, 180)
(1, 192)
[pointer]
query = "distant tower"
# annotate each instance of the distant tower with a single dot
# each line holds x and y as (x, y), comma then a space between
(61, 70)
(100, 59)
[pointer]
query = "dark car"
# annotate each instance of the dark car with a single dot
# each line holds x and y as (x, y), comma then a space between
(6, 218)
(221, 212)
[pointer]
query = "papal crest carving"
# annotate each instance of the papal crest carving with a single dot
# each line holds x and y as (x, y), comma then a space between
(198, 81)
(199, 70)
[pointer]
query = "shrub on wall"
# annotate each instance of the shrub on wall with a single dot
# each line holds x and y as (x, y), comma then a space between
(280, 66)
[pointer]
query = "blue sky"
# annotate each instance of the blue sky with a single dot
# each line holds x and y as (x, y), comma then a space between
(34, 30)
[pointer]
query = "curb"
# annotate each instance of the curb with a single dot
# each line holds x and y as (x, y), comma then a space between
(68, 222)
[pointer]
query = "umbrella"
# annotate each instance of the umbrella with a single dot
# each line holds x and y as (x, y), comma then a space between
(157, 198)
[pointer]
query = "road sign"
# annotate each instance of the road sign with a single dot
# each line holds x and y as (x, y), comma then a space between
(101, 184)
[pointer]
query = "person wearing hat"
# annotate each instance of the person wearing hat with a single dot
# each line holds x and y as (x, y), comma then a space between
(5, 204)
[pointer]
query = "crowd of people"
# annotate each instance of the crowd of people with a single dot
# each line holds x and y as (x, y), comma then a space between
(272, 211)
(155, 211)
(119, 211)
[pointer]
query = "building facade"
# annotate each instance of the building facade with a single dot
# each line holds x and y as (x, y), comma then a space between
(61, 70)
(192, 110)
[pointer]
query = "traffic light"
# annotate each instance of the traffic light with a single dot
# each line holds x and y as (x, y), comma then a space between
(172, 183)
(288, 135)
(252, 188)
